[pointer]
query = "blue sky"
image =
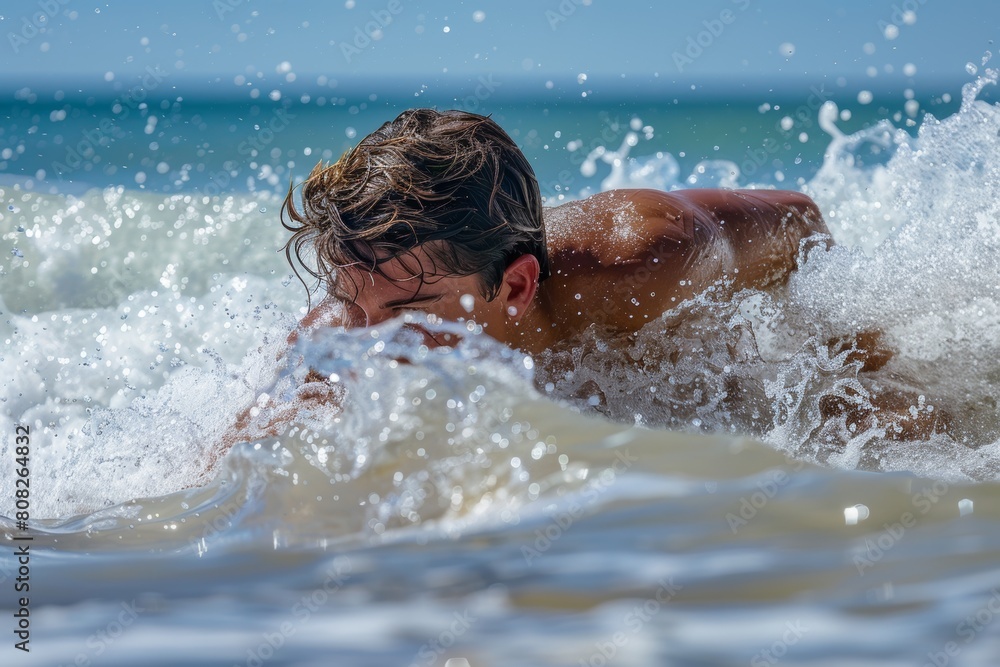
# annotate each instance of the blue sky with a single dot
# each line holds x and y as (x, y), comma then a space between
(729, 40)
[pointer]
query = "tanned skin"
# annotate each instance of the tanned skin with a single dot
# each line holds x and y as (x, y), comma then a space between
(631, 255)
(619, 258)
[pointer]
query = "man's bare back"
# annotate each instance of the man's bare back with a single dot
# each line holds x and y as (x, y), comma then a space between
(622, 258)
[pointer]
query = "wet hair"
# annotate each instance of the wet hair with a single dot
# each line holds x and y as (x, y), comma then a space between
(450, 182)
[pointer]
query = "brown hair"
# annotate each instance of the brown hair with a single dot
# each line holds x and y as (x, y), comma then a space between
(449, 177)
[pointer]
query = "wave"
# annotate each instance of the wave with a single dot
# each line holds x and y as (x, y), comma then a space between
(130, 317)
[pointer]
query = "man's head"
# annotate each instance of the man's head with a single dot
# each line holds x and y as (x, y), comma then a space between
(430, 197)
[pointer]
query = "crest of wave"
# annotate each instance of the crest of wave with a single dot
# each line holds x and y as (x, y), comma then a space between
(407, 433)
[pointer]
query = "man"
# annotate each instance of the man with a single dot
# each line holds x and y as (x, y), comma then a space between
(440, 212)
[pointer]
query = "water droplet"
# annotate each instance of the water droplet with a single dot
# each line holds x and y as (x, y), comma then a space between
(468, 302)
(853, 515)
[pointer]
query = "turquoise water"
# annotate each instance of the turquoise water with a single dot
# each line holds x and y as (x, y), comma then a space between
(214, 143)
(475, 504)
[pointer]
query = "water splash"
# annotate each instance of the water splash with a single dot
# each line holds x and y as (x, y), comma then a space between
(917, 222)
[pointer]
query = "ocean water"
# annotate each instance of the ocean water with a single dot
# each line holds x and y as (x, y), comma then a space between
(713, 504)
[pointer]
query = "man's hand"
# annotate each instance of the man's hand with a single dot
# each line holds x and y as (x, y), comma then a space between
(867, 347)
(328, 313)
(902, 413)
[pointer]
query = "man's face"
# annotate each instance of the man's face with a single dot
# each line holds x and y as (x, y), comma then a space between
(404, 287)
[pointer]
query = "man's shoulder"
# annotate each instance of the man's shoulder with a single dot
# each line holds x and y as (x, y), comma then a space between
(626, 225)
(620, 226)
(637, 253)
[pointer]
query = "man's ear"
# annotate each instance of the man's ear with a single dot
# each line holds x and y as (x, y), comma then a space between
(520, 282)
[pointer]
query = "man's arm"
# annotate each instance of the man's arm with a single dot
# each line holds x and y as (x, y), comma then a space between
(270, 418)
(764, 228)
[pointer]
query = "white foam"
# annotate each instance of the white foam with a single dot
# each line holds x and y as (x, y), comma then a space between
(126, 319)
